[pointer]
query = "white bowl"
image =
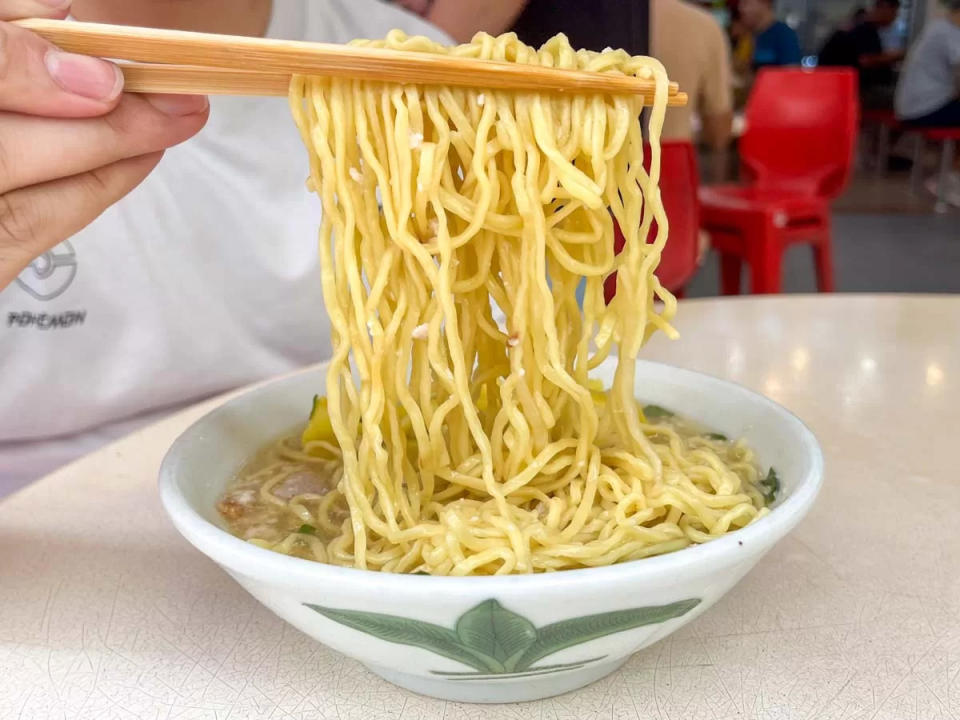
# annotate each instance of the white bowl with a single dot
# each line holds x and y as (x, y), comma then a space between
(490, 639)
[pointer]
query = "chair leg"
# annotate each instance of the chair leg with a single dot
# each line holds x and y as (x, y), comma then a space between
(765, 257)
(916, 171)
(730, 266)
(823, 261)
(883, 149)
(766, 270)
(946, 163)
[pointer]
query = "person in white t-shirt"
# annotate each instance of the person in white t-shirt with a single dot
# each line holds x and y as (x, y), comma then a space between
(202, 279)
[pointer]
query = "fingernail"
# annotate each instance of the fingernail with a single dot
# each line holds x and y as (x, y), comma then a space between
(179, 104)
(86, 76)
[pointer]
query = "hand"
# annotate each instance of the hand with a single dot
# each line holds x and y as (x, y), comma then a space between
(71, 143)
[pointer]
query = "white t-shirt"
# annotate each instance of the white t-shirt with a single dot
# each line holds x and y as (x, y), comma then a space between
(202, 279)
(929, 78)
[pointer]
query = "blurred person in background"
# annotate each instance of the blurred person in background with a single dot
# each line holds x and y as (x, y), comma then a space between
(928, 93)
(202, 279)
(741, 41)
(774, 42)
(692, 47)
(593, 25)
(861, 47)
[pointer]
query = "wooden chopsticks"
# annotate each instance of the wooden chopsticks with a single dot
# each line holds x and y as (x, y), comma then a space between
(157, 78)
(225, 64)
(193, 79)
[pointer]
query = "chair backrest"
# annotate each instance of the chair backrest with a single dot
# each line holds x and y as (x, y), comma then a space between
(679, 184)
(801, 130)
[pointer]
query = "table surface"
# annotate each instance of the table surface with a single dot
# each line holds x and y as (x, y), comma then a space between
(105, 612)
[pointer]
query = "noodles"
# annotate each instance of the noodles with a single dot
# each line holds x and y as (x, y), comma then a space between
(464, 445)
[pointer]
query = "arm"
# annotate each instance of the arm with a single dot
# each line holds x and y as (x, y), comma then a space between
(716, 133)
(717, 129)
(884, 59)
(70, 143)
(716, 102)
(462, 19)
(716, 90)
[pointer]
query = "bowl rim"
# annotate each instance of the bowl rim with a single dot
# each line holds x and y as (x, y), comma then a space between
(251, 561)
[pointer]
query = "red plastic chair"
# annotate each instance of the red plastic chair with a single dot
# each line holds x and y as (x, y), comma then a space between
(679, 180)
(796, 153)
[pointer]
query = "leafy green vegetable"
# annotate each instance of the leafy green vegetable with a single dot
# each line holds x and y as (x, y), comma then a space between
(655, 411)
(770, 486)
(319, 426)
(717, 436)
(307, 530)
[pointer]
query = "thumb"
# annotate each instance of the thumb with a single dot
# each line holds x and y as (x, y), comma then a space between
(37, 78)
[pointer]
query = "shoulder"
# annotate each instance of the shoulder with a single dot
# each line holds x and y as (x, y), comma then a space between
(680, 11)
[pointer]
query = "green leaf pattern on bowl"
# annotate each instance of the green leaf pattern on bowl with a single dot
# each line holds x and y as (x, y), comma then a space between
(498, 642)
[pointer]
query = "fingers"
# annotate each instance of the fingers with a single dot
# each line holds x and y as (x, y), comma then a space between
(35, 150)
(34, 219)
(36, 78)
(20, 9)
(70, 144)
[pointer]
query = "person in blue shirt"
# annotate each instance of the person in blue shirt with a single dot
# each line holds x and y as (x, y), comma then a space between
(774, 42)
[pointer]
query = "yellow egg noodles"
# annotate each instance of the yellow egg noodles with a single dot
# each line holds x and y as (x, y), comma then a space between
(457, 226)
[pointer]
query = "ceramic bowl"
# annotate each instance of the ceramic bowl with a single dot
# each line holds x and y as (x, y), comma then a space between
(490, 639)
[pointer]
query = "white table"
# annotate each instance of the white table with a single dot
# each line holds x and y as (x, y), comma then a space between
(105, 612)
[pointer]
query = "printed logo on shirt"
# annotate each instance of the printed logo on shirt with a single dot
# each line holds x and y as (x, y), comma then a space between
(46, 321)
(50, 275)
(46, 278)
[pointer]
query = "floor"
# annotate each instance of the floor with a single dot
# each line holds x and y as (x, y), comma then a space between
(885, 240)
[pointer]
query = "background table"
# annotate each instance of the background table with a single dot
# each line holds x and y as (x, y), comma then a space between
(105, 612)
